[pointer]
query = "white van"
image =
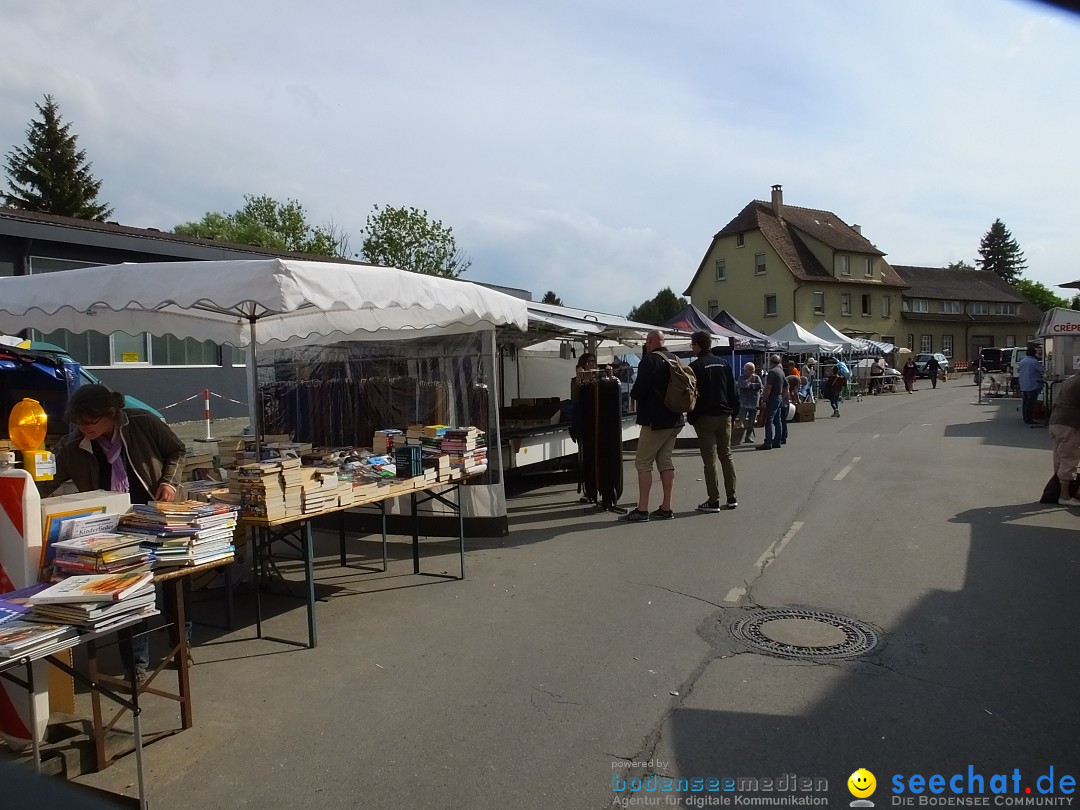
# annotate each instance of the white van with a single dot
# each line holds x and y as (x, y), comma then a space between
(1011, 357)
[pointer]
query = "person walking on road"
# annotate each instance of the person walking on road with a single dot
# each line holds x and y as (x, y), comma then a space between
(1065, 433)
(716, 408)
(749, 398)
(908, 372)
(774, 398)
(933, 370)
(1030, 374)
(659, 429)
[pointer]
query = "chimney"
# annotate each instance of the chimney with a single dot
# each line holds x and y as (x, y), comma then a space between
(778, 201)
(857, 229)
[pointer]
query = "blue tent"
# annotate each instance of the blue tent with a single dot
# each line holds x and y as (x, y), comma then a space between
(746, 338)
(692, 319)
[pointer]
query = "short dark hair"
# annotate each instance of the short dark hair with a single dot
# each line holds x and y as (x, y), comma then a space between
(1032, 350)
(90, 402)
(701, 339)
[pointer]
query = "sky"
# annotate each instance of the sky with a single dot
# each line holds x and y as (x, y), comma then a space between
(591, 148)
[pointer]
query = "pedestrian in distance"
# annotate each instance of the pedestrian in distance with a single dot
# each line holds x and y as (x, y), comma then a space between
(774, 401)
(750, 387)
(908, 372)
(659, 429)
(933, 370)
(1065, 434)
(717, 407)
(1029, 371)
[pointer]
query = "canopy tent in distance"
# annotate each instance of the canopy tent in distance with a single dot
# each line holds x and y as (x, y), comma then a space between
(801, 341)
(690, 319)
(749, 338)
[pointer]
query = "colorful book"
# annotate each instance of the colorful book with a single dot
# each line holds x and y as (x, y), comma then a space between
(94, 588)
(18, 638)
(15, 604)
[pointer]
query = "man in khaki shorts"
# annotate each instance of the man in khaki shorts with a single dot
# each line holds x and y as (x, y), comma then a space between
(659, 428)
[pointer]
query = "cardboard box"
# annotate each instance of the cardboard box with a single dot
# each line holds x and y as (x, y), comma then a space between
(805, 411)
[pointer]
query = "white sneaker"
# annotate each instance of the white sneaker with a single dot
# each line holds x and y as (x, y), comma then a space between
(1068, 502)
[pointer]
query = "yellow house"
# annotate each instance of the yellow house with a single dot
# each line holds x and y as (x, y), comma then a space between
(775, 263)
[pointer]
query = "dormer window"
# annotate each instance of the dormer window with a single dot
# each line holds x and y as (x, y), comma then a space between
(950, 307)
(1005, 309)
(868, 267)
(843, 265)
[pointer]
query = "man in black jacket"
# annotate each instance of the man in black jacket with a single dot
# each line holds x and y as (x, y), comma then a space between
(717, 407)
(659, 428)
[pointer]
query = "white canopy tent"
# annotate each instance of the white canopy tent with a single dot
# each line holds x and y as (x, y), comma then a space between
(801, 341)
(255, 302)
(829, 333)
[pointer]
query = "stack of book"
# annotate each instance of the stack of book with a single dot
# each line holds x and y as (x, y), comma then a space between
(384, 441)
(319, 488)
(269, 489)
(436, 467)
(19, 638)
(95, 601)
(184, 533)
(467, 449)
(407, 461)
(104, 553)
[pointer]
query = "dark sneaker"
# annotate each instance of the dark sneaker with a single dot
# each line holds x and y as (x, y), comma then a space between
(661, 514)
(635, 516)
(732, 503)
(764, 447)
(709, 506)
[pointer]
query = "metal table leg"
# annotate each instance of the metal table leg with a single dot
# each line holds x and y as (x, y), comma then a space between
(309, 575)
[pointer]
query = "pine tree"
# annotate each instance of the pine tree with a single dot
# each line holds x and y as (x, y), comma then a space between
(50, 174)
(999, 252)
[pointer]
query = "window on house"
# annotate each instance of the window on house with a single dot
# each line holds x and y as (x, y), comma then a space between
(905, 305)
(911, 341)
(1010, 341)
(845, 303)
(866, 306)
(819, 303)
(926, 343)
(740, 239)
(1005, 309)
(946, 345)
(868, 267)
(127, 349)
(759, 264)
(89, 348)
(714, 308)
(721, 269)
(172, 351)
(979, 308)
(770, 305)
(950, 307)
(920, 305)
(843, 264)
(886, 309)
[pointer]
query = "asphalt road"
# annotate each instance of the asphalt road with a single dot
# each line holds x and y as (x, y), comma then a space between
(579, 644)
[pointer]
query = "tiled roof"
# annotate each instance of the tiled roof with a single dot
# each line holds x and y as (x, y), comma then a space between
(19, 215)
(961, 285)
(784, 237)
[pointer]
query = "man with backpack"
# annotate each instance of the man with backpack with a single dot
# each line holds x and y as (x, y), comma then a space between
(717, 407)
(661, 419)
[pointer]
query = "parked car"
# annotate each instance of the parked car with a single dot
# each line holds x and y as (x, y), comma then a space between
(922, 359)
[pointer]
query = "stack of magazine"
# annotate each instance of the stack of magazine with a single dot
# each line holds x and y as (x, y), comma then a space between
(184, 533)
(104, 553)
(95, 602)
(19, 637)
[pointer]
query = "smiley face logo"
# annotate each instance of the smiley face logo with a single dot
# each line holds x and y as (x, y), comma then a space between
(862, 783)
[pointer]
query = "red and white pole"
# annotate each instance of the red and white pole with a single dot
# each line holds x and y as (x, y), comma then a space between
(206, 394)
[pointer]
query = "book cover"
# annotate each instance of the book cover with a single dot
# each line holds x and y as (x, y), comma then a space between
(15, 604)
(94, 588)
(16, 637)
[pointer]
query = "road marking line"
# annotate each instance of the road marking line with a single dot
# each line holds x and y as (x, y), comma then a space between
(735, 594)
(840, 476)
(773, 551)
(876, 436)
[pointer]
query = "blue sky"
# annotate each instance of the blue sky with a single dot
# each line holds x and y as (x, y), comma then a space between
(591, 147)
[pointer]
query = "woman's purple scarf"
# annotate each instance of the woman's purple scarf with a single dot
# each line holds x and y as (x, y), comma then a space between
(113, 447)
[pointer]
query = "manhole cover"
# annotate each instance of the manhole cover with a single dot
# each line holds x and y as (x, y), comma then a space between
(813, 634)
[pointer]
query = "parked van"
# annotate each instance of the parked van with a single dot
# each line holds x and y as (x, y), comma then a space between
(1011, 357)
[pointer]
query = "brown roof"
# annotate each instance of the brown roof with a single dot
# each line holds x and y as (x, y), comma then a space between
(784, 237)
(19, 215)
(966, 285)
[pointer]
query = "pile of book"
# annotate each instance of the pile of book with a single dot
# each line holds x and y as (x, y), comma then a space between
(19, 637)
(269, 489)
(322, 489)
(183, 533)
(104, 553)
(407, 461)
(467, 448)
(436, 467)
(94, 602)
(384, 441)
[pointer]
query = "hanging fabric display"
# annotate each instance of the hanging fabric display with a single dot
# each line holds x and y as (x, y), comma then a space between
(600, 442)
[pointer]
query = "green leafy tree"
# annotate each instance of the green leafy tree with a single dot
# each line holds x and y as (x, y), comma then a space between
(267, 223)
(1039, 294)
(51, 174)
(658, 309)
(551, 298)
(408, 239)
(1075, 303)
(960, 265)
(999, 253)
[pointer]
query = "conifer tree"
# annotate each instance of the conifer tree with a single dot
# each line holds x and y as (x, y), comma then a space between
(999, 252)
(50, 174)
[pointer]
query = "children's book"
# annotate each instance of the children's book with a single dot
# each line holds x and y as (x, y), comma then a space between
(94, 588)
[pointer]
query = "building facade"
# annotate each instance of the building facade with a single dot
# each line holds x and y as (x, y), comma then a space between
(958, 312)
(775, 263)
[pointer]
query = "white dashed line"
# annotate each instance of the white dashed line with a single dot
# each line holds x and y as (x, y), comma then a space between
(876, 436)
(840, 476)
(773, 551)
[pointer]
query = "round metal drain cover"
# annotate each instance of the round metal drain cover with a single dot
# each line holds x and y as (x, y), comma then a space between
(805, 634)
